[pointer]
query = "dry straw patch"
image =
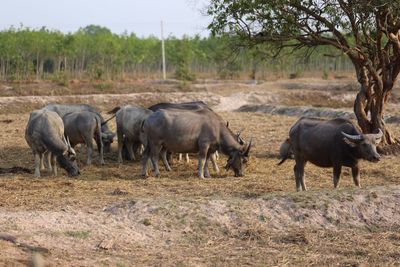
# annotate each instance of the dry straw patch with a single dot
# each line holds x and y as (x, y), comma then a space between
(183, 221)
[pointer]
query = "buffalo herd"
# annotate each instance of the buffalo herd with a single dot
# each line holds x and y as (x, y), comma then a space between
(192, 127)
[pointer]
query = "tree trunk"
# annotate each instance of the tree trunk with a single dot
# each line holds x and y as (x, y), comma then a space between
(369, 109)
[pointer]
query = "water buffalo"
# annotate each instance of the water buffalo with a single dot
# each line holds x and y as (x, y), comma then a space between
(191, 131)
(81, 127)
(330, 143)
(129, 120)
(62, 109)
(45, 134)
(195, 105)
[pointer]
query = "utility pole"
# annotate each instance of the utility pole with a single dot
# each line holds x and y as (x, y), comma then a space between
(163, 52)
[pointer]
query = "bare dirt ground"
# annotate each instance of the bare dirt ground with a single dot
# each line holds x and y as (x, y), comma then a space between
(109, 216)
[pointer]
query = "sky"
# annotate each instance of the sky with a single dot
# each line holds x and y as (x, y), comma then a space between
(142, 17)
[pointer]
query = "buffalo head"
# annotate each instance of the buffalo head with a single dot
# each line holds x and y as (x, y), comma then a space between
(107, 138)
(365, 143)
(237, 160)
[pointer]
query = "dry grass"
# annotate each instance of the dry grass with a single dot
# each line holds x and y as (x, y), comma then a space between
(180, 220)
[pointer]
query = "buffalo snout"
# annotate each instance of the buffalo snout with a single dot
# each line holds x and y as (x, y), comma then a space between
(375, 157)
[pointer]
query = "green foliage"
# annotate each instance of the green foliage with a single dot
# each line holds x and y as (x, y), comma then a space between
(94, 52)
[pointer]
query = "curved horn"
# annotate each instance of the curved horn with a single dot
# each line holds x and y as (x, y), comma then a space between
(238, 138)
(379, 134)
(246, 153)
(65, 140)
(356, 137)
(68, 143)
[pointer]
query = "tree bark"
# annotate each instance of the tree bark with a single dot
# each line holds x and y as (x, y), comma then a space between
(369, 106)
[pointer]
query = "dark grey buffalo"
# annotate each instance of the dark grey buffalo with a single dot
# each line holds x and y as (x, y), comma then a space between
(197, 131)
(62, 109)
(81, 127)
(45, 134)
(195, 105)
(330, 143)
(129, 121)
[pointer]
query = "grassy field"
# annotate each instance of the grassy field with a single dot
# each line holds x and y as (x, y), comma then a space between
(110, 216)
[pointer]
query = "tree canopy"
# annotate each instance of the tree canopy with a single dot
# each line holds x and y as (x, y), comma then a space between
(367, 31)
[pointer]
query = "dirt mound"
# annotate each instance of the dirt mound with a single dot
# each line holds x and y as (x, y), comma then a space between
(307, 112)
(298, 111)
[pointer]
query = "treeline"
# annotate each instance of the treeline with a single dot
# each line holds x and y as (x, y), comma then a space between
(95, 52)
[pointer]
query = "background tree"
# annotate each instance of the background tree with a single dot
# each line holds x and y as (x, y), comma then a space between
(367, 31)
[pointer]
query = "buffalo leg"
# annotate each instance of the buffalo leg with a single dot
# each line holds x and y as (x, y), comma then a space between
(42, 155)
(145, 162)
(303, 184)
(120, 144)
(180, 157)
(154, 156)
(38, 158)
(54, 164)
(187, 158)
(48, 159)
(164, 159)
(299, 175)
(213, 158)
(100, 148)
(129, 146)
(355, 171)
(202, 159)
(336, 175)
(89, 145)
(206, 170)
(296, 178)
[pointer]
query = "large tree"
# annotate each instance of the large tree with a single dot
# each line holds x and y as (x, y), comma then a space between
(367, 31)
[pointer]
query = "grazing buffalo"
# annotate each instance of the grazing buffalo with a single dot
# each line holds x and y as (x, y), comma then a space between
(129, 121)
(81, 127)
(197, 131)
(62, 109)
(45, 134)
(330, 143)
(195, 105)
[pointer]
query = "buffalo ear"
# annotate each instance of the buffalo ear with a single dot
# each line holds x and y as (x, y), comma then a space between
(349, 142)
(228, 164)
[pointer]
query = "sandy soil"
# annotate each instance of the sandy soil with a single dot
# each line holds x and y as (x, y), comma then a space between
(110, 216)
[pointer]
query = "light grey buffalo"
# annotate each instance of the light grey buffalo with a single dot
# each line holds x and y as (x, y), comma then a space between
(198, 131)
(62, 109)
(129, 121)
(81, 127)
(45, 134)
(330, 143)
(195, 105)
